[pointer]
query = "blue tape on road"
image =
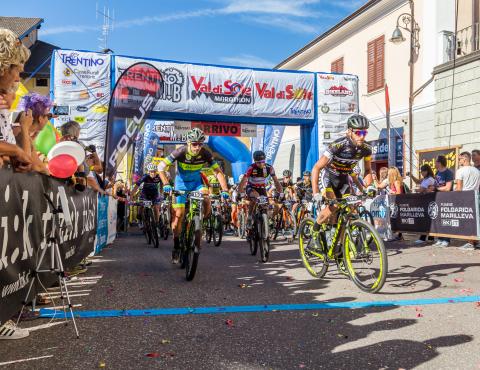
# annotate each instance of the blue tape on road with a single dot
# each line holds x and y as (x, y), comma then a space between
(48, 313)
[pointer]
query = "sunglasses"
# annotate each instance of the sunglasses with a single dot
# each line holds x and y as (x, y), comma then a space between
(360, 132)
(259, 162)
(48, 115)
(196, 144)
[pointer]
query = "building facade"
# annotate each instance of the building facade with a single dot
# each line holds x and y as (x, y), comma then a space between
(360, 45)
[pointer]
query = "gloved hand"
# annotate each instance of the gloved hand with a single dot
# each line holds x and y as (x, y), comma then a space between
(167, 189)
(371, 191)
(317, 197)
(225, 195)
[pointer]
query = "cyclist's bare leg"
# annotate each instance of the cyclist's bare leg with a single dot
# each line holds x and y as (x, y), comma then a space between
(207, 204)
(178, 214)
(328, 213)
(156, 212)
(234, 215)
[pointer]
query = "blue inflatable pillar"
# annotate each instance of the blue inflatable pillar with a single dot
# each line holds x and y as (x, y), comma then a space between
(308, 146)
(234, 151)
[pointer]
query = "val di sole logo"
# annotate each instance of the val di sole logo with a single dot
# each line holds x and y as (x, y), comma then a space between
(433, 210)
(325, 108)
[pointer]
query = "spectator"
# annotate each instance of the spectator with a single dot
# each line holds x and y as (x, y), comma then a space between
(70, 131)
(444, 182)
(427, 185)
(427, 182)
(40, 107)
(13, 56)
(467, 178)
(382, 182)
(476, 158)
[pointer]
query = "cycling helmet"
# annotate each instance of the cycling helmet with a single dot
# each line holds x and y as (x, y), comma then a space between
(287, 173)
(307, 173)
(151, 167)
(195, 135)
(358, 122)
(258, 155)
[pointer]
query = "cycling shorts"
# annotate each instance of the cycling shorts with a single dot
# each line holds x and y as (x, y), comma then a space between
(155, 198)
(196, 185)
(260, 191)
(331, 182)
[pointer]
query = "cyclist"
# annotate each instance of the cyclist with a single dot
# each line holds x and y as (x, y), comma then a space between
(236, 202)
(287, 185)
(304, 187)
(254, 181)
(338, 162)
(150, 189)
(190, 158)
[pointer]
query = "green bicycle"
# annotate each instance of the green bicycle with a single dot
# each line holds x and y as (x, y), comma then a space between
(191, 232)
(353, 244)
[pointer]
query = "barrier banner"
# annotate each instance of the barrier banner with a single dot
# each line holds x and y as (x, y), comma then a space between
(137, 168)
(26, 226)
(112, 220)
(380, 211)
(102, 223)
(133, 98)
(81, 87)
(150, 141)
(452, 214)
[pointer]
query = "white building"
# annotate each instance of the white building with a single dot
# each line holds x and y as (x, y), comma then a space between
(360, 45)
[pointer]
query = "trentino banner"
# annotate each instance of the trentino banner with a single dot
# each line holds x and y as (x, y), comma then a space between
(81, 91)
(135, 95)
(271, 142)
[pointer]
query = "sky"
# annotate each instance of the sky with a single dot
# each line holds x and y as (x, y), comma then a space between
(251, 33)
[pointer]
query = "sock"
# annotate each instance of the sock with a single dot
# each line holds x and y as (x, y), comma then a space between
(316, 226)
(176, 243)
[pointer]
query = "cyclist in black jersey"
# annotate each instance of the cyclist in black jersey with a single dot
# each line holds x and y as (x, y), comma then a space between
(333, 169)
(303, 188)
(150, 190)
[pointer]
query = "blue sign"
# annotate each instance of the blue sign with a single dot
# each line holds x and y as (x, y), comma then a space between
(102, 223)
(271, 142)
(380, 151)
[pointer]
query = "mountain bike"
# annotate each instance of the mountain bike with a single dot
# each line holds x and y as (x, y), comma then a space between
(165, 218)
(213, 224)
(284, 221)
(191, 235)
(149, 225)
(258, 234)
(353, 244)
(242, 220)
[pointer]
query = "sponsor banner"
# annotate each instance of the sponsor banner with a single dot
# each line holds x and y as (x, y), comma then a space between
(220, 91)
(81, 88)
(27, 221)
(102, 223)
(379, 208)
(380, 151)
(454, 213)
(272, 139)
(212, 90)
(150, 142)
(112, 220)
(174, 95)
(337, 97)
(137, 171)
(136, 93)
(286, 95)
(429, 156)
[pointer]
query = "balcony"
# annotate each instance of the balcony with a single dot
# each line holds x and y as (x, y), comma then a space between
(468, 40)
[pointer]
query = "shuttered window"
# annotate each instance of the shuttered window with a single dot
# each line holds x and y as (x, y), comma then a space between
(337, 66)
(376, 64)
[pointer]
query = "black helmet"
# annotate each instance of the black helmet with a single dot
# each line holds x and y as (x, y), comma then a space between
(358, 122)
(306, 173)
(287, 173)
(258, 155)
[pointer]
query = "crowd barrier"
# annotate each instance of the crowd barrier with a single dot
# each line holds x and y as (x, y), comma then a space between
(26, 226)
(452, 214)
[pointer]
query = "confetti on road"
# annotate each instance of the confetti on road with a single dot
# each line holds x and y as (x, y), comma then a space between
(165, 341)
(101, 364)
(466, 290)
(229, 323)
(153, 355)
(419, 315)
(458, 280)
(242, 285)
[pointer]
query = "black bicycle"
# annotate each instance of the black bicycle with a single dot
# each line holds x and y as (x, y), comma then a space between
(149, 225)
(213, 224)
(165, 217)
(258, 234)
(191, 235)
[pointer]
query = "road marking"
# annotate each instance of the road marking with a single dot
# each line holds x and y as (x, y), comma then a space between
(24, 360)
(259, 308)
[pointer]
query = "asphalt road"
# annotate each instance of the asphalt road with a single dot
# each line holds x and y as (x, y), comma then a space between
(131, 275)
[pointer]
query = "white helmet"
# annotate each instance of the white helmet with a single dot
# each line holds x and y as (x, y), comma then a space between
(151, 167)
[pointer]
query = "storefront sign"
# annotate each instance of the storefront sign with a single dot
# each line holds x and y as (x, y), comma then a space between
(380, 151)
(454, 213)
(430, 155)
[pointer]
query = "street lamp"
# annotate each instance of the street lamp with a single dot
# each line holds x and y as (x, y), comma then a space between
(406, 21)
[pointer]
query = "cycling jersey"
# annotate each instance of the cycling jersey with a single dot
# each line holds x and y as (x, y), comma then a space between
(188, 170)
(286, 185)
(150, 184)
(304, 191)
(344, 155)
(257, 177)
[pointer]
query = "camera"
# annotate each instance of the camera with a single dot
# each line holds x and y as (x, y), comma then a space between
(91, 148)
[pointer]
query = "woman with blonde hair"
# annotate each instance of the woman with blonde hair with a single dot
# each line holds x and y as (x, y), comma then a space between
(395, 181)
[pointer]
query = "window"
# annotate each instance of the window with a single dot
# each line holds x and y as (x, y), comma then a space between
(41, 82)
(337, 66)
(376, 64)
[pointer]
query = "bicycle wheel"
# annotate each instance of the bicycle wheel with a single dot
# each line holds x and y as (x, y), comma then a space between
(155, 237)
(242, 222)
(291, 224)
(313, 257)
(253, 241)
(217, 230)
(194, 235)
(148, 227)
(264, 238)
(277, 225)
(365, 256)
(208, 229)
(166, 226)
